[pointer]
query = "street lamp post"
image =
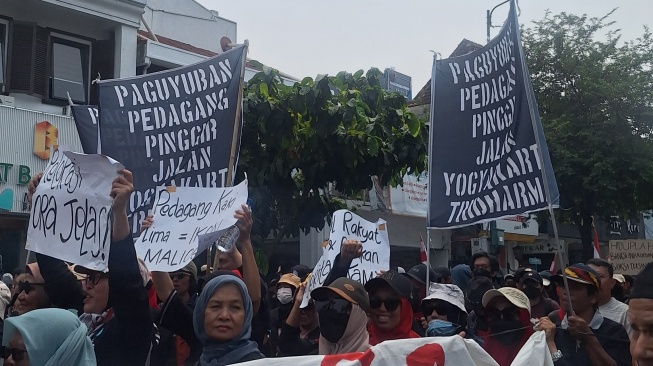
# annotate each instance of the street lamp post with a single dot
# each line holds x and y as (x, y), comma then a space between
(489, 19)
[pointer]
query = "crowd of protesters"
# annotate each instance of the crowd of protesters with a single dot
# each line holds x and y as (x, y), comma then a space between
(55, 313)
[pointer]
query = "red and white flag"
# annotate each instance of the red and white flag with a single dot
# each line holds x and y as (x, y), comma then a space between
(443, 351)
(422, 250)
(595, 240)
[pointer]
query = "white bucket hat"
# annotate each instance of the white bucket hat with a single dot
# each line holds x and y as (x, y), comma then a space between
(515, 296)
(449, 293)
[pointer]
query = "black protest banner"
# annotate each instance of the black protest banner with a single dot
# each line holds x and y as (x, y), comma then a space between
(488, 153)
(178, 127)
(86, 120)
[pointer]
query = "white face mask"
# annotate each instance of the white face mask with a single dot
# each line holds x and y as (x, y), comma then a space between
(284, 295)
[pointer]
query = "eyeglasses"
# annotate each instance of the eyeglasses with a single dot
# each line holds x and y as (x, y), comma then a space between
(340, 306)
(510, 312)
(16, 354)
(95, 278)
(27, 286)
(178, 276)
(442, 308)
(390, 304)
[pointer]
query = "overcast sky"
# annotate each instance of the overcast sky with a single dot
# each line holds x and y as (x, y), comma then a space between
(306, 38)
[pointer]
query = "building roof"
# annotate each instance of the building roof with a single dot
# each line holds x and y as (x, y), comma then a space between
(251, 64)
(424, 95)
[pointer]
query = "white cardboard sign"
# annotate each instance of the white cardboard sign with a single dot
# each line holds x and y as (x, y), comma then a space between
(187, 220)
(345, 225)
(69, 218)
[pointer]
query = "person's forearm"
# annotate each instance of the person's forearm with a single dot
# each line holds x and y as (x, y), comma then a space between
(120, 225)
(596, 353)
(250, 275)
(162, 285)
(293, 318)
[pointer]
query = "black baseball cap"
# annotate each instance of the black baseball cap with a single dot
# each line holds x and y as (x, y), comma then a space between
(443, 271)
(300, 271)
(397, 282)
(478, 286)
(418, 273)
(533, 276)
(348, 289)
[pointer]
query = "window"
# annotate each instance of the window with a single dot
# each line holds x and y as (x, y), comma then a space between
(3, 53)
(70, 69)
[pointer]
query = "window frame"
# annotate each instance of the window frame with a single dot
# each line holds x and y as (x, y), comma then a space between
(4, 52)
(86, 52)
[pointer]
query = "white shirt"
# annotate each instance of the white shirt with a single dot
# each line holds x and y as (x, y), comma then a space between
(618, 312)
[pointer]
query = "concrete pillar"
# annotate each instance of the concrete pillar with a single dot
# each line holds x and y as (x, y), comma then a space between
(125, 51)
(310, 245)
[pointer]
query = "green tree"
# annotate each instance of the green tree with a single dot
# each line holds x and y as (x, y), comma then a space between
(300, 141)
(595, 95)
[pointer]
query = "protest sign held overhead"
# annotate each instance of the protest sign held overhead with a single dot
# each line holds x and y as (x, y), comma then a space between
(345, 225)
(489, 158)
(187, 220)
(630, 256)
(178, 127)
(70, 212)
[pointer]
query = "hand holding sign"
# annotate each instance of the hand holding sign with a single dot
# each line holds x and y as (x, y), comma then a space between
(350, 250)
(121, 189)
(71, 201)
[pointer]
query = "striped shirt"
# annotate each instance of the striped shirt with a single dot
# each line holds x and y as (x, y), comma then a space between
(618, 312)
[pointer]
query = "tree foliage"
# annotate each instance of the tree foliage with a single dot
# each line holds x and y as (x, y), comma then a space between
(335, 131)
(595, 96)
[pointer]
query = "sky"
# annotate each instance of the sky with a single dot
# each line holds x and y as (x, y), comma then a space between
(308, 37)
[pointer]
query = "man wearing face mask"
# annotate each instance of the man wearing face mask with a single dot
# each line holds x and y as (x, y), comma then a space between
(532, 284)
(286, 287)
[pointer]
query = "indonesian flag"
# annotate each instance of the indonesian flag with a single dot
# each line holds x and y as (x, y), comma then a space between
(444, 351)
(595, 239)
(422, 250)
(441, 351)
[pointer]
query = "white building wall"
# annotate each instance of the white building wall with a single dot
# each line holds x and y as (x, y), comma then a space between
(189, 22)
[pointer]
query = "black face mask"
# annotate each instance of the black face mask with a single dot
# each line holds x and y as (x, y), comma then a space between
(508, 329)
(333, 325)
(532, 292)
(481, 272)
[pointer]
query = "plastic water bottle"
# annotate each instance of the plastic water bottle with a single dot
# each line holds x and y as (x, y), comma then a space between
(228, 239)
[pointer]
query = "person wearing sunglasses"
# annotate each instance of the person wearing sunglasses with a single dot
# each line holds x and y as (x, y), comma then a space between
(300, 333)
(508, 312)
(184, 282)
(391, 313)
(29, 292)
(444, 311)
(114, 304)
(342, 309)
(47, 337)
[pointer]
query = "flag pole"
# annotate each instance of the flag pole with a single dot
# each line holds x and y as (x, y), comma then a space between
(538, 139)
(238, 123)
(430, 157)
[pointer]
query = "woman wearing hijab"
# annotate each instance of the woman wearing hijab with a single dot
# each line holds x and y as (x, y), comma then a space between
(47, 337)
(391, 313)
(222, 320)
(342, 310)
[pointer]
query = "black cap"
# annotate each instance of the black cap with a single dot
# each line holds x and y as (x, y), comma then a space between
(643, 287)
(300, 271)
(418, 273)
(400, 284)
(87, 271)
(533, 276)
(443, 271)
(478, 286)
